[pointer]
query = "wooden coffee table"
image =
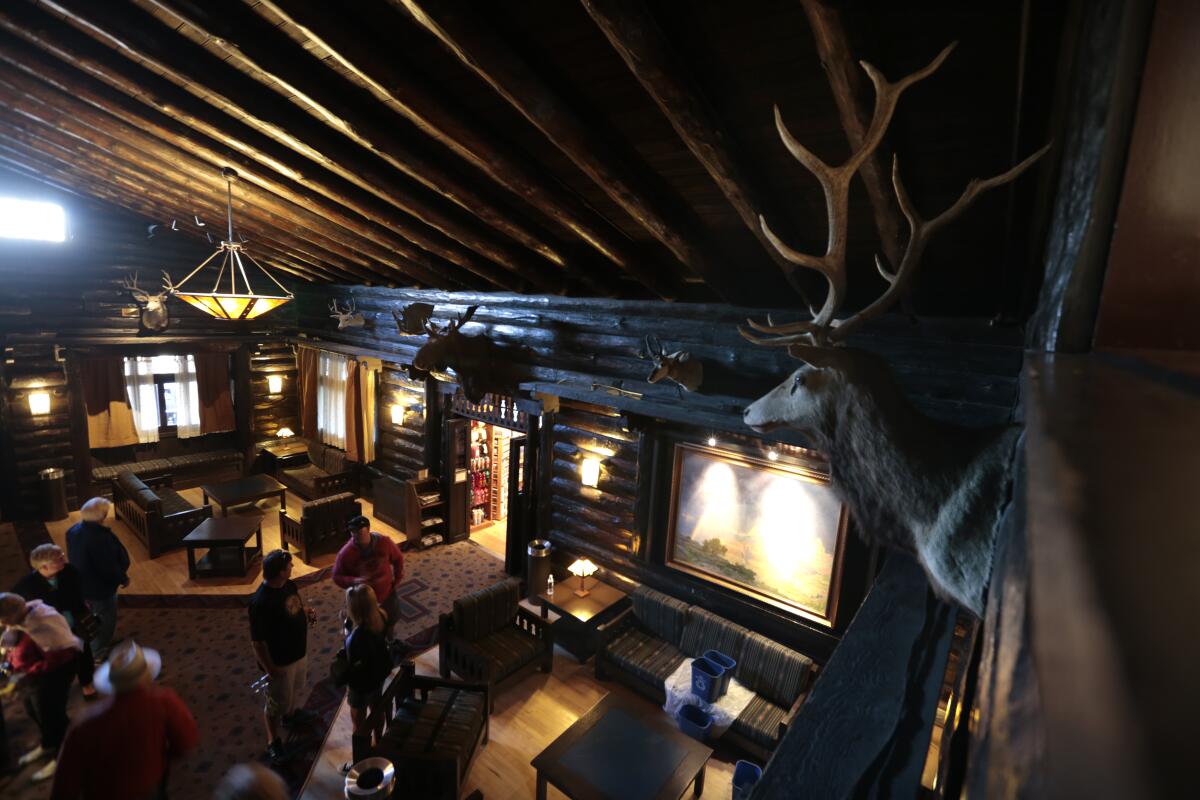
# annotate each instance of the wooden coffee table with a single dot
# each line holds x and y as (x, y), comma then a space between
(579, 617)
(225, 540)
(623, 749)
(245, 490)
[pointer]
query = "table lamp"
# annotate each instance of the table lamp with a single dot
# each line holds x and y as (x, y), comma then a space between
(284, 433)
(583, 569)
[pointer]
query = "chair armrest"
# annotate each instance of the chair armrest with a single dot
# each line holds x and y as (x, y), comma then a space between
(456, 654)
(162, 480)
(288, 525)
(795, 709)
(608, 631)
(534, 625)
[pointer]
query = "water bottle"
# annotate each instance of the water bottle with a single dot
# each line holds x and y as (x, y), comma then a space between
(550, 585)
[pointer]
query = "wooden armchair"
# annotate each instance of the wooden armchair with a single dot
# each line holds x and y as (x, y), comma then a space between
(322, 524)
(430, 729)
(158, 514)
(489, 638)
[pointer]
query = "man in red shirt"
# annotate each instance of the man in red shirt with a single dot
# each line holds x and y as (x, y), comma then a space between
(119, 749)
(375, 559)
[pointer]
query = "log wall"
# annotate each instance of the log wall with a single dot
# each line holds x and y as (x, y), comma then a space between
(400, 449)
(273, 411)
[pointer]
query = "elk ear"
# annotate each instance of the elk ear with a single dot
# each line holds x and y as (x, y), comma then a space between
(819, 357)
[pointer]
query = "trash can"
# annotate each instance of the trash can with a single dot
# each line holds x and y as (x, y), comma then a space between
(54, 494)
(537, 567)
(724, 662)
(706, 680)
(695, 722)
(745, 775)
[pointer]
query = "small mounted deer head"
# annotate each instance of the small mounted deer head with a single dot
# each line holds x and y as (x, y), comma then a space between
(679, 366)
(348, 318)
(913, 483)
(412, 318)
(154, 306)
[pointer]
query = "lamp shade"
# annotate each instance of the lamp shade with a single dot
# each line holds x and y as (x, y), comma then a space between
(39, 403)
(284, 433)
(589, 472)
(582, 568)
(275, 384)
(397, 414)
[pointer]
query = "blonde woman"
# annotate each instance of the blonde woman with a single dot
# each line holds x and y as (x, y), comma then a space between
(370, 660)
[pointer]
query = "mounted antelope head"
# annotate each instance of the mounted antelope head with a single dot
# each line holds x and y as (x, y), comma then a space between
(348, 318)
(913, 483)
(679, 366)
(154, 306)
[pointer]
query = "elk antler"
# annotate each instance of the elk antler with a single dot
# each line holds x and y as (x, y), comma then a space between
(130, 285)
(463, 319)
(168, 284)
(823, 329)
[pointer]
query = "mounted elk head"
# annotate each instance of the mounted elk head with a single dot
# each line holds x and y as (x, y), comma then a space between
(913, 483)
(679, 366)
(348, 318)
(479, 364)
(154, 306)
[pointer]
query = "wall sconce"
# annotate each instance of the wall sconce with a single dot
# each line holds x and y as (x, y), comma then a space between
(39, 403)
(274, 384)
(284, 433)
(397, 414)
(589, 472)
(583, 569)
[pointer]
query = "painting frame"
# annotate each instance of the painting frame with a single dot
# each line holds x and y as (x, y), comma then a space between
(803, 470)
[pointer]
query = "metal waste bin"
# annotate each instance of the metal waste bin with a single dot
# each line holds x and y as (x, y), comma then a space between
(538, 566)
(54, 494)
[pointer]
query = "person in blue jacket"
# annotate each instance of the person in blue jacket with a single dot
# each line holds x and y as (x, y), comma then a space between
(103, 564)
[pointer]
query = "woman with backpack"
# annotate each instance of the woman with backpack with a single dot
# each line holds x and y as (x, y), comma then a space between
(369, 662)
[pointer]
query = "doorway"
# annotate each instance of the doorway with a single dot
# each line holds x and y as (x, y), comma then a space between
(489, 473)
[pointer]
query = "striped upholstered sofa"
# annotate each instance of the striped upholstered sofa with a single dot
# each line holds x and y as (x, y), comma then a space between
(648, 642)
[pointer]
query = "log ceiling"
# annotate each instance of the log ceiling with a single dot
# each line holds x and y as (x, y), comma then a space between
(607, 148)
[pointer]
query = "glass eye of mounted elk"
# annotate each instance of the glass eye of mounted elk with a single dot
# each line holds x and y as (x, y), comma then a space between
(913, 483)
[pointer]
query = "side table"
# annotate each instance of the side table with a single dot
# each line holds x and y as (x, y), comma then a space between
(580, 617)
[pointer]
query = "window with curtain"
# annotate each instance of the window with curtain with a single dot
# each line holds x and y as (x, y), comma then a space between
(163, 394)
(331, 399)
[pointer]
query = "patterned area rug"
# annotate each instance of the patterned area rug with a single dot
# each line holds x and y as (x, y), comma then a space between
(208, 661)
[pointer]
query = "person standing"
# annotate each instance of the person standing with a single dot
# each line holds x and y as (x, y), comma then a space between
(370, 663)
(373, 559)
(103, 564)
(57, 583)
(122, 746)
(279, 635)
(44, 651)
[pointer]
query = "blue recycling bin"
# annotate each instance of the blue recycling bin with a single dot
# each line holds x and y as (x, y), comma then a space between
(695, 722)
(724, 662)
(745, 775)
(706, 679)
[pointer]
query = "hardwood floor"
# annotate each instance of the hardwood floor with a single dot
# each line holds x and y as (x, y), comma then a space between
(168, 573)
(528, 717)
(492, 537)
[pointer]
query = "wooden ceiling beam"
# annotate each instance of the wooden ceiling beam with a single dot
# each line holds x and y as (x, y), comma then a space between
(265, 55)
(666, 219)
(633, 33)
(850, 93)
(365, 55)
(132, 34)
(84, 88)
(132, 93)
(132, 191)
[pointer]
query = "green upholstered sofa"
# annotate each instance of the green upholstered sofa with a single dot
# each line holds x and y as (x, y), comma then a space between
(648, 642)
(489, 638)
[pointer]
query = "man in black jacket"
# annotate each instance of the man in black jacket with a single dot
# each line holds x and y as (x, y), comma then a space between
(103, 564)
(58, 584)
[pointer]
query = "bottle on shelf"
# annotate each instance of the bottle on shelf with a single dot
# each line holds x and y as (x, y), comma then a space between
(550, 585)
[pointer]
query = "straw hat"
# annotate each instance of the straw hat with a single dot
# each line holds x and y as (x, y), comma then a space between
(126, 668)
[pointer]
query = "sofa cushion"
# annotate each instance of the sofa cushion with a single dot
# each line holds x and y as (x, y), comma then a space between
(173, 502)
(487, 610)
(316, 454)
(507, 650)
(707, 631)
(759, 722)
(776, 672)
(648, 657)
(141, 494)
(422, 729)
(335, 461)
(199, 460)
(305, 475)
(661, 614)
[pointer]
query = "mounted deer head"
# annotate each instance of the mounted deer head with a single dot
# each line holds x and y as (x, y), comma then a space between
(679, 366)
(913, 483)
(348, 318)
(154, 306)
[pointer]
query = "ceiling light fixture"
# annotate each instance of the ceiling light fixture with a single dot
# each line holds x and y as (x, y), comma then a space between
(231, 304)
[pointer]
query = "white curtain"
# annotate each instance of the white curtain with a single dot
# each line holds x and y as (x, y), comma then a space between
(180, 395)
(331, 398)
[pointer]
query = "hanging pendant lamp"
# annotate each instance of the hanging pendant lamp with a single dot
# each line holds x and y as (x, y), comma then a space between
(231, 303)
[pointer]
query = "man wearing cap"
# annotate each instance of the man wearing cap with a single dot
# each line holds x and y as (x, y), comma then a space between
(279, 634)
(374, 559)
(121, 746)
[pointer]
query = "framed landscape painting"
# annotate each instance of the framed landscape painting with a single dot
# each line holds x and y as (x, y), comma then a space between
(774, 531)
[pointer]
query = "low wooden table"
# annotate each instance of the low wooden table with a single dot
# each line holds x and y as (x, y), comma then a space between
(225, 539)
(245, 490)
(276, 453)
(623, 749)
(581, 616)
